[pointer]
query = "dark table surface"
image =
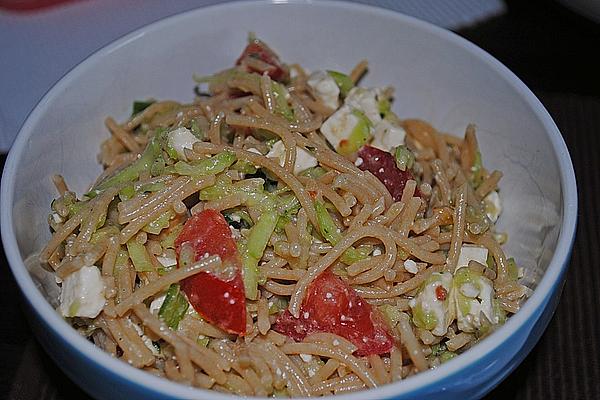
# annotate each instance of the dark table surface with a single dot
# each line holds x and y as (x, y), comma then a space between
(555, 52)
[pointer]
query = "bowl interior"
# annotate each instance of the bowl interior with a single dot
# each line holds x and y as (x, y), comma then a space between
(437, 77)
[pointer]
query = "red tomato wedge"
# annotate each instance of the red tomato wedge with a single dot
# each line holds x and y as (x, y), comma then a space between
(259, 50)
(333, 306)
(218, 296)
(383, 165)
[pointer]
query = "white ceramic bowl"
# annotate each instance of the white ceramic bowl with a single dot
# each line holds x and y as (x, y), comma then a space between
(438, 77)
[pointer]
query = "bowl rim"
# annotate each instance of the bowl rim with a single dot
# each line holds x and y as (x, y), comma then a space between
(551, 278)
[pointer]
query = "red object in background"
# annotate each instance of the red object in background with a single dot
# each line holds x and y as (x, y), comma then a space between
(221, 302)
(333, 306)
(29, 5)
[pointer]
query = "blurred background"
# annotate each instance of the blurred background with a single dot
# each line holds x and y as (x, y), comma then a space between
(551, 45)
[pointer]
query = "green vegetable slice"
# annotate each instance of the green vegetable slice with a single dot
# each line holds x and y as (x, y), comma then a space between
(160, 223)
(331, 233)
(343, 81)
(359, 135)
(139, 256)
(210, 166)
(174, 307)
(131, 172)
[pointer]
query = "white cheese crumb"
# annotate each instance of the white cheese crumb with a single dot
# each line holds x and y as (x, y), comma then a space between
(411, 266)
(157, 303)
(469, 290)
(304, 159)
(339, 126)
(470, 252)
(324, 88)
(359, 161)
(167, 261)
(377, 251)
(82, 293)
(305, 357)
(386, 136)
(57, 218)
(493, 206)
(365, 100)
(182, 138)
(253, 150)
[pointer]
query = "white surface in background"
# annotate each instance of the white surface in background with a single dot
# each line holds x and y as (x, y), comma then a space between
(38, 48)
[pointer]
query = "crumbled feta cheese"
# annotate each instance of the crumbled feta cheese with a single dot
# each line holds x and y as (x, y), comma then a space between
(305, 357)
(359, 161)
(157, 303)
(339, 125)
(493, 206)
(57, 218)
(182, 138)
(82, 293)
(470, 252)
(166, 261)
(429, 312)
(253, 150)
(386, 136)
(145, 339)
(469, 289)
(304, 159)
(324, 88)
(474, 298)
(377, 251)
(365, 100)
(235, 233)
(411, 266)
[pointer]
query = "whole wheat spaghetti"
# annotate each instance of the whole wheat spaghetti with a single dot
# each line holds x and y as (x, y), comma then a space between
(283, 236)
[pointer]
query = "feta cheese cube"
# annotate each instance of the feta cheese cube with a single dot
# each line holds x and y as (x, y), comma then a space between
(471, 252)
(82, 293)
(474, 298)
(430, 311)
(493, 206)
(324, 88)
(304, 159)
(365, 100)
(181, 138)
(339, 126)
(386, 136)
